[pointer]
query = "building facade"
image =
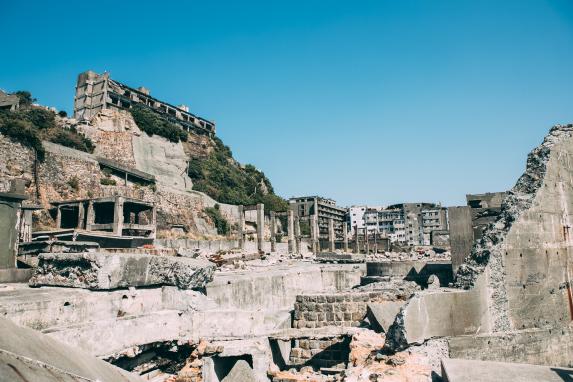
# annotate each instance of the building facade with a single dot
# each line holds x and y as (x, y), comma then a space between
(325, 209)
(96, 92)
(406, 223)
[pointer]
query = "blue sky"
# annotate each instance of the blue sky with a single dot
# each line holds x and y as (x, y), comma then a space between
(362, 101)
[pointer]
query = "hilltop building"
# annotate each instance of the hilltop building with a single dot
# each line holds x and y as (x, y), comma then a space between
(95, 92)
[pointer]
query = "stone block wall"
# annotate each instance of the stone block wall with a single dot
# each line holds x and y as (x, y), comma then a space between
(343, 309)
(325, 352)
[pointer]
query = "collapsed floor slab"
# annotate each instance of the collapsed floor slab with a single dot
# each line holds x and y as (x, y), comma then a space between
(26, 354)
(104, 271)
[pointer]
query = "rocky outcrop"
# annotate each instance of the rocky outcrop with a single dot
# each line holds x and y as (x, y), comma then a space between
(104, 271)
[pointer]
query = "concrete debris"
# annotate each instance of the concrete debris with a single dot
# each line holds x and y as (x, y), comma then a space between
(103, 271)
(241, 372)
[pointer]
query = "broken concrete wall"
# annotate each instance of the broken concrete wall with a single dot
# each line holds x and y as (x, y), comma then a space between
(519, 272)
(102, 271)
(276, 288)
(525, 256)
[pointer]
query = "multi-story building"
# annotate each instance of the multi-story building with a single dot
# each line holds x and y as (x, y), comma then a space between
(406, 223)
(96, 92)
(324, 208)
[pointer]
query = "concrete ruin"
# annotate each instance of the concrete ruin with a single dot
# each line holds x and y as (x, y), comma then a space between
(514, 289)
(286, 295)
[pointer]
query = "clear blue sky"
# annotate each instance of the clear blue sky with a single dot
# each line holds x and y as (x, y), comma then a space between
(361, 101)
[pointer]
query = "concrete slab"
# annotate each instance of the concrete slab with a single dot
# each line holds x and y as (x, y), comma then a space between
(15, 275)
(241, 372)
(104, 271)
(460, 370)
(343, 258)
(35, 355)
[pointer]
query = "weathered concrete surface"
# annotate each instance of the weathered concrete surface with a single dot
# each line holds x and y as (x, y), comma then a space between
(276, 287)
(442, 313)
(15, 275)
(417, 271)
(518, 275)
(36, 354)
(550, 347)
(461, 234)
(103, 271)
(335, 257)
(382, 314)
(458, 370)
(526, 255)
(241, 372)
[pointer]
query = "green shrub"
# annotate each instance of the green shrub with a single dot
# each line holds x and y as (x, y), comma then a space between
(71, 139)
(41, 118)
(222, 179)
(25, 98)
(24, 133)
(153, 123)
(218, 220)
(107, 181)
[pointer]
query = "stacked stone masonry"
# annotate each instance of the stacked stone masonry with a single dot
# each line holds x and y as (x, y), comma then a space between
(329, 352)
(343, 309)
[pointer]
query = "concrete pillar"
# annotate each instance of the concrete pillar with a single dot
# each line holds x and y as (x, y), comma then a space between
(260, 226)
(59, 217)
(241, 227)
(273, 231)
(90, 218)
(118, 215)
(313, 233)
(317, 230)
(291, 243)
(81, 214)
(366, 241)
(345, 234)
(154, 222)
(297, 235)
(356, 245)
(331, 235)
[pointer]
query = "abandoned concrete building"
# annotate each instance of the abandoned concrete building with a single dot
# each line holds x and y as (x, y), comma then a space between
(96, 284)
(9, 102)
(96, 92)
(408, 223)
(324, 208)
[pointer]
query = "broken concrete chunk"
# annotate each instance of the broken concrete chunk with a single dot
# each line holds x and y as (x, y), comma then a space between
(101, 271)
(382, 315)
(241, 372)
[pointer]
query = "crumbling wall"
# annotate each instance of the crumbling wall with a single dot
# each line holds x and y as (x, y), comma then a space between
(521, 266)
(524, 255)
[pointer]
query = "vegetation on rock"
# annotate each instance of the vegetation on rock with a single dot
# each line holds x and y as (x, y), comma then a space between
(218, 220)
(223, 179)
(154, 124)
(31, 124)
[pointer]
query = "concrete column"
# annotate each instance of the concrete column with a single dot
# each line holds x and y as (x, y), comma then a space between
(154, 222)
(313, 233)
(273, 231)
(356, 245)
(59, 217)
(241, 227)
(90, 218)
(260, 226)
(331, 235)
(366, 243)
(297, 235)
(81, 214)
(118, 215)
(317, 230)
(291, 243)
(345, 234)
